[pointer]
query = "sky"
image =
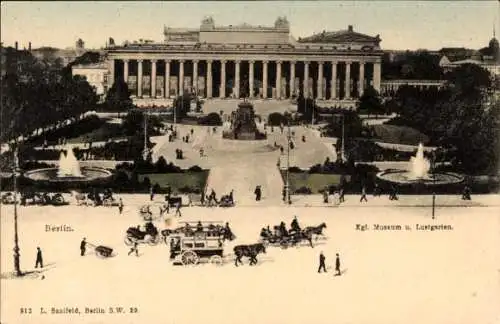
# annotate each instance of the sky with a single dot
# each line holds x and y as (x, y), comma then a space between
(401, 24)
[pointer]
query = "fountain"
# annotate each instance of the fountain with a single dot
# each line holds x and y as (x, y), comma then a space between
(69, 172)
(418, 173)
(68, 165)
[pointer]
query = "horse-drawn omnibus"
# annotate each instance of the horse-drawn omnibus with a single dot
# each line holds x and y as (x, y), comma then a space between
(189, 249)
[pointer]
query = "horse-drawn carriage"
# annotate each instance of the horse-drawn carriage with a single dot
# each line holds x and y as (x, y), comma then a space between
(149, 236)
(95, 198)
(189, 250)
(44, 199)
(285, 238)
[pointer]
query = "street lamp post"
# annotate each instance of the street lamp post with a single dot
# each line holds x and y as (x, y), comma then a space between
(289, 138)
(146, 136)
(17, 255)
(434, 180)
(343, 138)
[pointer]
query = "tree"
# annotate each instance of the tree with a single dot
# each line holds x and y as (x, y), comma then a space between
(182, 105)
(370, 102)
(307, 107)
(457, 117)
(118, 97)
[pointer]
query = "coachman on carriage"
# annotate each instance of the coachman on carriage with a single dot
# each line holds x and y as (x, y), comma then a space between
(285, 238)
(149, 236)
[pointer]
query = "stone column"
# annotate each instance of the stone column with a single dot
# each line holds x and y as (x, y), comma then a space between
(209, 79)
(376, 76)
(347, 80)
(237, 78)
(361, 87)
(195, 76)
(333, 81)
(181, 77)
(264, 79)
(139, 78)
(292, 79)
(111, 67)
(125, 71)
(250, 76)
(223, 79)
(153, 78)
(320, 81)
(306, 79)
(278, 80)
(167, 79)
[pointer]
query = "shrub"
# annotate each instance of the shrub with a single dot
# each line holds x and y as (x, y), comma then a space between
(303, 191)
(276, 119)
(295, 169)
(189, 189)
(212, 119)
(195, 168)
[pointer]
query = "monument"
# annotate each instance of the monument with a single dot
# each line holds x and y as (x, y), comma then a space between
(242, 124)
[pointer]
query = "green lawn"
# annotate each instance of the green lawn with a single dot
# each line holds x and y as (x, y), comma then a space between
(102, 134)
(315, 181)
(400, 135)
(178, 180)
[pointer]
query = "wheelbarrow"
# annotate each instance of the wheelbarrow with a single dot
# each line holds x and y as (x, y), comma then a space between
(101, 250)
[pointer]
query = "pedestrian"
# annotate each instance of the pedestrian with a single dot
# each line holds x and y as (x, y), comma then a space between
(363, 194)
(178, 209)
(321, 262)
(341, 195)
(284, 193)
(325, 195)
(258, 193)
(192, 132)
(39, 259)
(134, 249)
(337, 265)
(151, 193)
(466, 193)
(83, 246)
(120, 206)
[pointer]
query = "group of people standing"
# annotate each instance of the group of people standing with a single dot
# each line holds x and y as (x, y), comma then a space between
(322, 264)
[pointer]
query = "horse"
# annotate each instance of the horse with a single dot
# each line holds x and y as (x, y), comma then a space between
(316, 230)
(250, 251)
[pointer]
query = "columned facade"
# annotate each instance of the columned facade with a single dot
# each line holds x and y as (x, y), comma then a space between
(320, 68)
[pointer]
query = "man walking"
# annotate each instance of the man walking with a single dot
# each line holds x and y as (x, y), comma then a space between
(341, 195)
(363, 194)
(151, 193)
(134, 249)
(120, 206)
(258, 193)
(337, 266)
(83, 247)
(321, 262)
(178, 209)
(39, 259)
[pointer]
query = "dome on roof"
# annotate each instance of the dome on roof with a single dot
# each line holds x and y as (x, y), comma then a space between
(493, 44)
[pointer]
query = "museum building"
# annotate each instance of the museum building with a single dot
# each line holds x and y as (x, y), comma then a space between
(239, 61)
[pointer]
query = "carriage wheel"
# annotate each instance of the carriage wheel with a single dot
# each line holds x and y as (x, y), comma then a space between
(189, 258)
(216, 260)
(153, 240)
(100, 254)
(128, 240)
